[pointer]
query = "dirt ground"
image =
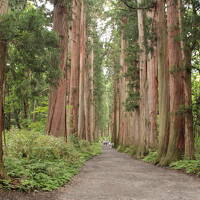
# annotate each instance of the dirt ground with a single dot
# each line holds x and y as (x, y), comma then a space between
(117, 176)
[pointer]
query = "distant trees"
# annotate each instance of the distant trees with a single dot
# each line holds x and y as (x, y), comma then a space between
(72, 100)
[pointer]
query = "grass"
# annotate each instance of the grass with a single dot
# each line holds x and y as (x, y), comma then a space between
(35, 161)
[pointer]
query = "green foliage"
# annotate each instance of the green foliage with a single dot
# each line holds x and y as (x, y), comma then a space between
(39, 162)
(189, 166)
(196, 94)
(101, 84)
(104, 138)
(32, 64)
(152, 157)
(131, 150)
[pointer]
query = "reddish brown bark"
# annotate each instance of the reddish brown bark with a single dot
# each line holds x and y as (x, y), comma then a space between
(86, 104)
(116, 110)
(152, 86)
(114, 118)
(176, 138)
(186, 54)
(143, 85)
(75, 65)
(163, 79)
(81, 117)
(189, 134)
(122, 86)
(68, 71)
(56, 124)
(92, 103)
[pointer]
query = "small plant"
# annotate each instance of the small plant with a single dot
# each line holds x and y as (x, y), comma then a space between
(131, 150)
(189, 166)
(152, 157)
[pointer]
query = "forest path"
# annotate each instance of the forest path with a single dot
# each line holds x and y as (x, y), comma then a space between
(117, 176)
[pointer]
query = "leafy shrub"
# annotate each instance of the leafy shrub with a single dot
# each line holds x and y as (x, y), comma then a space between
(37, 126)
(33, 145)
(131, 150)
(40, 162)
(74, 140)
(189, 166)
(152, 157)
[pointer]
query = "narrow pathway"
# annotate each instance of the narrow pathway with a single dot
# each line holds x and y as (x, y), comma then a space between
(116, 176)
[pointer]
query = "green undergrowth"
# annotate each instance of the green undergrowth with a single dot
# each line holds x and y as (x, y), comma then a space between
(131, 150)
(189, 166)
(34, 161)
(152, 157)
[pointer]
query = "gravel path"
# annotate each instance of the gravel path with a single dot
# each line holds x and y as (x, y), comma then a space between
(116, 176)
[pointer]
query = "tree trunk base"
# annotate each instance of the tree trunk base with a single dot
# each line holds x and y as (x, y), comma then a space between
(3, 174)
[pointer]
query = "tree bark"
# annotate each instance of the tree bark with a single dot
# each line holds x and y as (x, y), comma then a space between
(122, 86)
(75, 67)
(3, 57)
(143, 84)
(86, 105)
(81, 116)
(186, 54)
(56, 124)
(189, 134)
(92, 103)
(163, 79)
(114, 122)
(152, 85)
(176, 137)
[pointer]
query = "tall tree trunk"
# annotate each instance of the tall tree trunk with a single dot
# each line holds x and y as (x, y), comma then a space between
(81, 117)
(87, 92)
(163, 79)
(68, 76)
(122, 82)
(152, 86)
(92, 103)
(189, 134)
(56, 124)
(143, 83)
(186, 63)
(86, 104)
(3, 55)
(176, 137)
(118, 117)
(75, 65)
(114, 122)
